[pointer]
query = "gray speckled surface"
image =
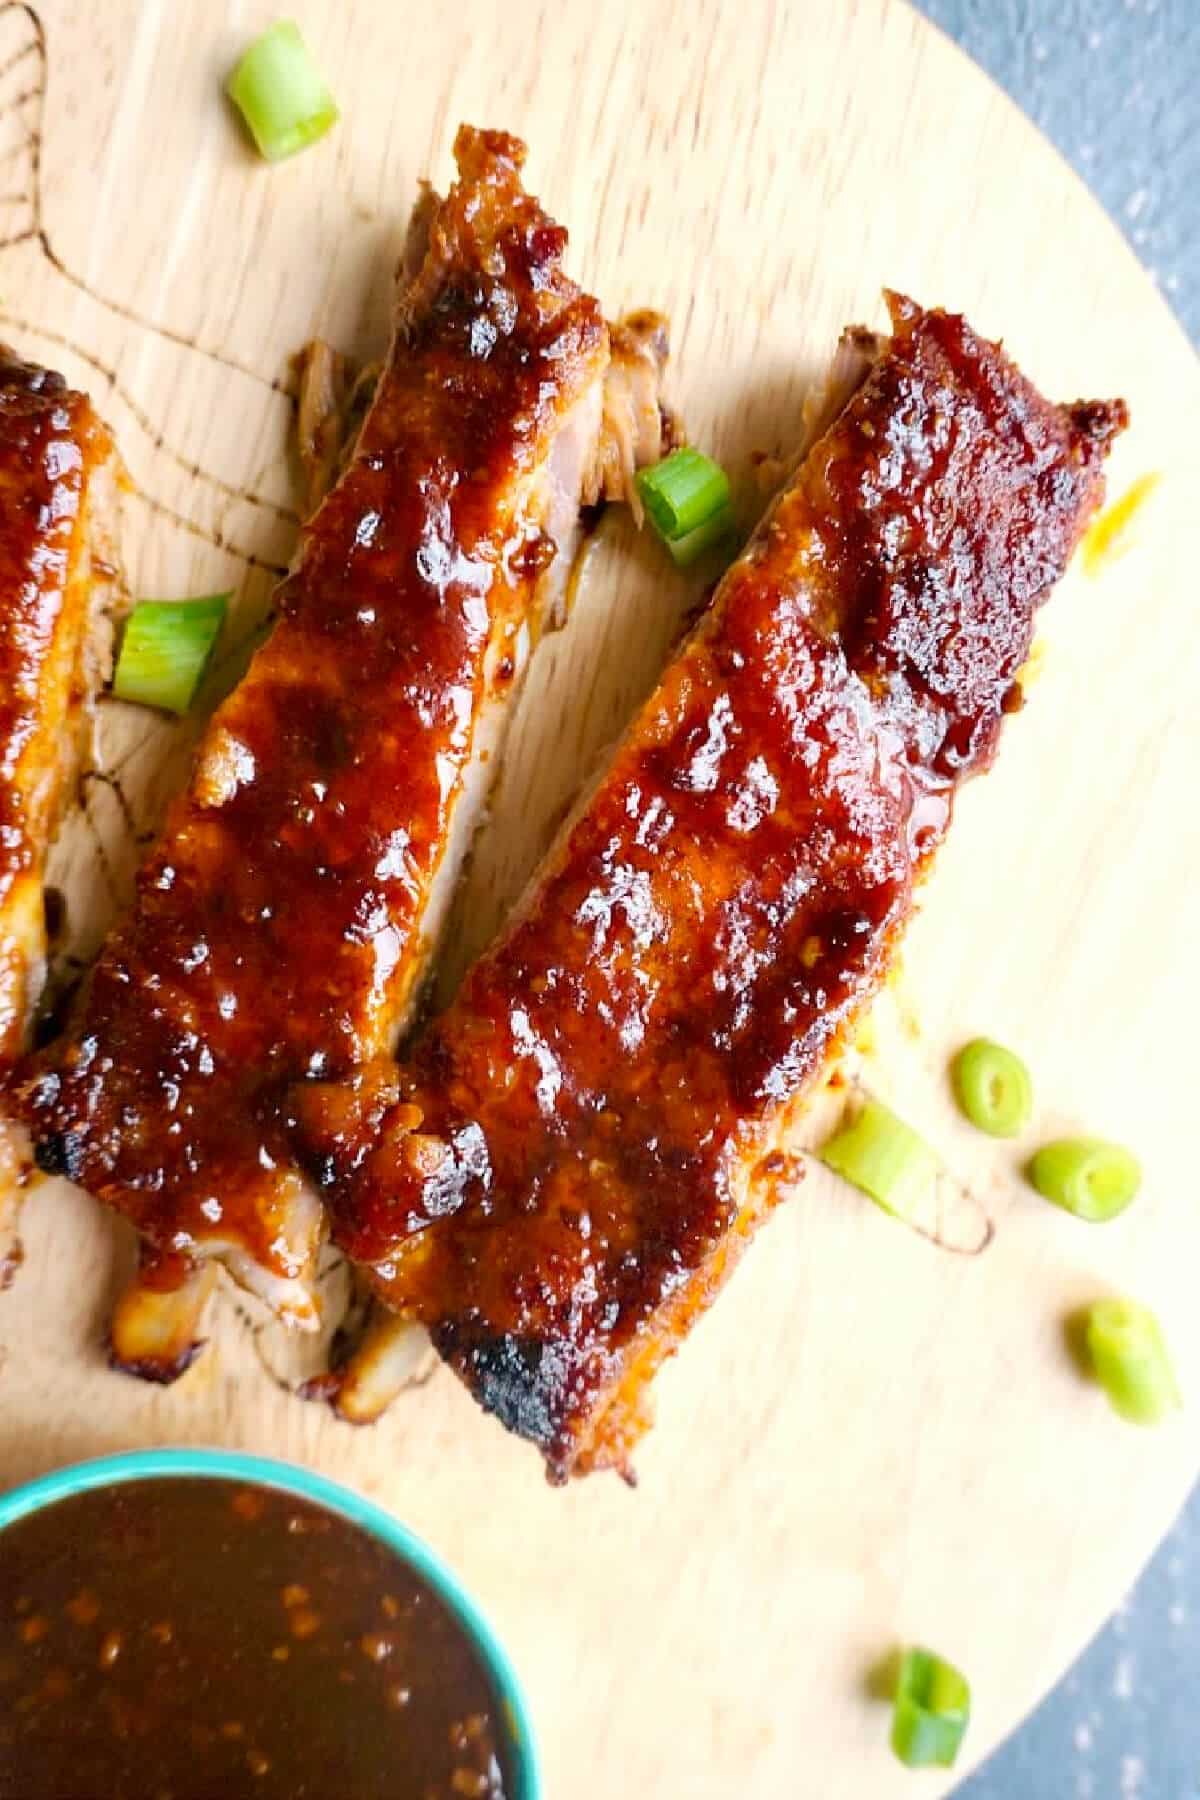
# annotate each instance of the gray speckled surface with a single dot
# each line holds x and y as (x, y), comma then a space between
(1125, 1723)
(1116, 85)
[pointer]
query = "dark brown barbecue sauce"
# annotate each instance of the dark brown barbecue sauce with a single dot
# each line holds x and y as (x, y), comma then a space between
(557, 1178)
(195, 1639)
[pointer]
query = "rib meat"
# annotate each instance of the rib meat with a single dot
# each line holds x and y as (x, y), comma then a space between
(565, 1171)
(58, 582)
(284, 922)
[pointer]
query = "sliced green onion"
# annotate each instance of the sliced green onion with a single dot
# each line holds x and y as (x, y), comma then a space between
(1131, 1360)
(993, 1088)
(683, 493)
(1086, 1176)
(686, 549)
(931, 1711)
(885, 1158)
(165, 651)
(279, 92)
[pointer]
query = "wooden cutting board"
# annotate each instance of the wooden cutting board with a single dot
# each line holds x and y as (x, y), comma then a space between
(869, 1440)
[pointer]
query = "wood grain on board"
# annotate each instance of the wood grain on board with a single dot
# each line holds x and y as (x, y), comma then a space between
(868, 1440)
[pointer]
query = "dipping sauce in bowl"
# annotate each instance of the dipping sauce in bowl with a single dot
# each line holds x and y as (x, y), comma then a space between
(189, 1635)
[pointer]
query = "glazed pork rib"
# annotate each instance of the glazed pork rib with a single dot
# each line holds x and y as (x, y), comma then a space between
(58, 585)
(284, 922)
(564, 1173)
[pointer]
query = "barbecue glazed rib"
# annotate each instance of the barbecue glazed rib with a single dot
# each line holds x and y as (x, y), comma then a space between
(284, 922)
(566, 1170)
(58, 583)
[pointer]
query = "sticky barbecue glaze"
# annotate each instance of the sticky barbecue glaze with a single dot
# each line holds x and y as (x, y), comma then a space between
(566, 1168)
(277, 922)
(185, 1638)
(51, 443)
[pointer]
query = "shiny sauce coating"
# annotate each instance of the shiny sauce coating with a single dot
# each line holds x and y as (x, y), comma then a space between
(562, 1174)
(50, 442)
(184, 1638)
(276, 930)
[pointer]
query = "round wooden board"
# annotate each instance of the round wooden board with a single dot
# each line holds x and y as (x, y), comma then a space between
(868, 1440)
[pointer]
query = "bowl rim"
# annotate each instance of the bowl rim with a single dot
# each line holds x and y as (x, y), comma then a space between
(307, 1484)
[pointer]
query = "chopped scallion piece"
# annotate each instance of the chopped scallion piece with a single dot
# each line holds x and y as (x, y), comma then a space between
(885, 1158)
(931, 1711)
(279, 92)
(1131, 1360)
(686, 549)
(684, 492)
(1086, 1176)
(993, 1088)
(165, 651)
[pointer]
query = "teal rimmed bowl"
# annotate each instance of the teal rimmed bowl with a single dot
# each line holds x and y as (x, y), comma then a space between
(263, 1471)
